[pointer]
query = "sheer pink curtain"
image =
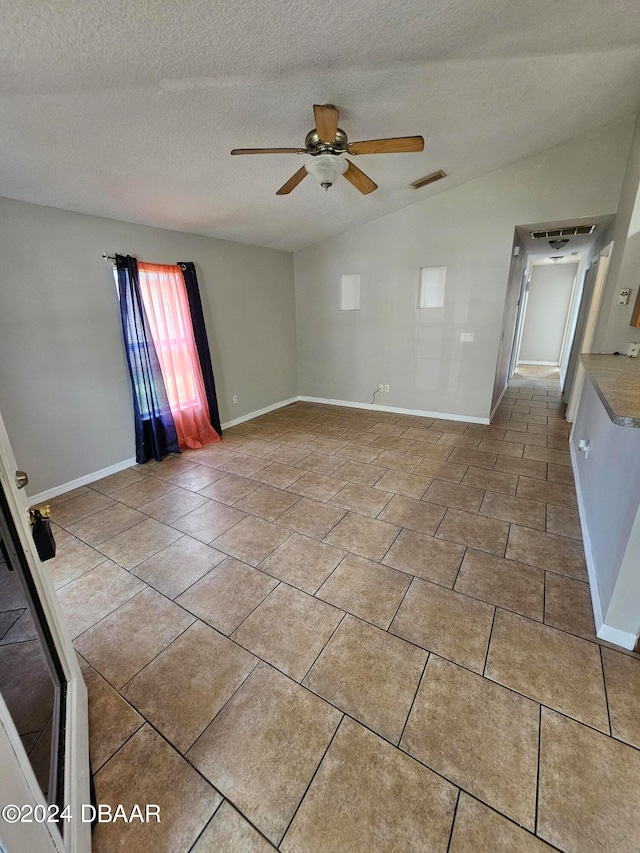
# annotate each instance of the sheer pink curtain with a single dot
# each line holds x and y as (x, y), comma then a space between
(165, 301)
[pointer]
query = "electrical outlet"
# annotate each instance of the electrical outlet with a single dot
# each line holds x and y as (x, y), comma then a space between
(623, 296)
(381, 388)
(386, 389)
(466, 337)
(235, 398)
(633, 350)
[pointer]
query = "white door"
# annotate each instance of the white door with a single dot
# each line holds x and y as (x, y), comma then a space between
(31, 828)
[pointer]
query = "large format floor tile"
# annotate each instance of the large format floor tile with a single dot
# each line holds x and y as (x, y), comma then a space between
(512, 509)
(554, 668)
(479, 735)
(413, 514)
(100, 526)
(425, 557)
(112, 721)
(362, 499)
(366, 589)
(229, 831)
(547, 551)
(251, 540)
(567, 605)
(289, 629)
(173, 505)
(263, 748)
(474, 531)
(209, 521)
(479, 829)
(139, 543)
(622, 678)
(588, 788)
(142, 492)
(513, 586)
(182, 690)
(302, 562)
(364, 536)
(452, 625)
(267, 502)
(95, 594)
(127, 639)
(178, 566)
(454, 495)
(311, 518)
(367, 796)
(225, 596)
(402, 483)
(83, 505)
(147, 770)
(73, 558)
(370, 675)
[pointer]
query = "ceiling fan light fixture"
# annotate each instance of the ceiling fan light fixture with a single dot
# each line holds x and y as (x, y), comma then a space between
(326, 168)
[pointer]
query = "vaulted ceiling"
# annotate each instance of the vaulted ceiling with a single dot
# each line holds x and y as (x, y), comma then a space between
(129, 109)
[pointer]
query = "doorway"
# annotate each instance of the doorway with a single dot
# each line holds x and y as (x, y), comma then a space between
(542, 336)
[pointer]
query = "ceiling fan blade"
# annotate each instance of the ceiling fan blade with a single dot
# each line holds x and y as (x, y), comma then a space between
(398, 145)
(268, 151)
(326, 116)
(360, 181)
(293, 182)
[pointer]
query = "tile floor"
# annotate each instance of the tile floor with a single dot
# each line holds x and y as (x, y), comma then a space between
(346, 630)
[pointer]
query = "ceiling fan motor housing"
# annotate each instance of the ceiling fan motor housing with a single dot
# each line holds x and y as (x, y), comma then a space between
(314, 145)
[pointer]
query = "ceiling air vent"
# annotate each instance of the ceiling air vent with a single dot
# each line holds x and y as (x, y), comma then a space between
(564, 232)
(428, 179)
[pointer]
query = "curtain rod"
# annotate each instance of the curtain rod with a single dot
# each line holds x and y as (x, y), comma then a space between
(107, 257)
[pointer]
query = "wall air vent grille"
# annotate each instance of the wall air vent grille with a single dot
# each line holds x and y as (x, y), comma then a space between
(564, 232)
(428, 179)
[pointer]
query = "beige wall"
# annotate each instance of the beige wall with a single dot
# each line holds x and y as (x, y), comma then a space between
(64, 387)
(469, 229)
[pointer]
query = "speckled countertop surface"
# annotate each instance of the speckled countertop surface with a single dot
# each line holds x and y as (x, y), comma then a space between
(617, 380)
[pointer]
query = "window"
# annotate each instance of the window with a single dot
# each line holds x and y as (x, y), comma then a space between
(166, 306)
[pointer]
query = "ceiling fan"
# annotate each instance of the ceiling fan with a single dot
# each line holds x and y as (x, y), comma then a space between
(326, 143)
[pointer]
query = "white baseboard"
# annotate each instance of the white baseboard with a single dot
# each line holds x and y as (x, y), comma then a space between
(80, 481)
(396, 410)
(250, 415)
(495, 408)
(620, 638)
(47, 495)
(603, 631)
(541, 363)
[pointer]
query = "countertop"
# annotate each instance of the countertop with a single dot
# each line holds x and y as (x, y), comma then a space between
(616, 378)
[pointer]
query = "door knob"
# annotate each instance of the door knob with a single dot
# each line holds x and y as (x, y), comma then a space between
(21, 479)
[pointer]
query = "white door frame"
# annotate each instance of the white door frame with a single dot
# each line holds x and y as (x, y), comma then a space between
(590, 329)
(522, 306)
(76, 835)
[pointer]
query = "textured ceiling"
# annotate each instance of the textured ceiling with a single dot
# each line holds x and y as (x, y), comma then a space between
(129, 109)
